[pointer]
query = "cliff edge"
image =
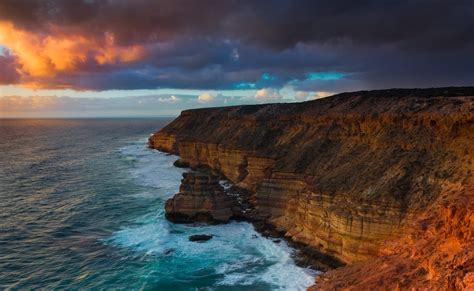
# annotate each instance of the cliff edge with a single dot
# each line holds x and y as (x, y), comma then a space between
(381, 180)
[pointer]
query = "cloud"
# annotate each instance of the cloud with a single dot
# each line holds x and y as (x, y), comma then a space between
(305, 95)
(171, 99)
(206, 97)
(268, 95)
(281, 24)
(8, 68)
(45, 55)
(301, 95)
(321, 94)
(63, 106)
(16, 103)
(146, 105)
(311, 45)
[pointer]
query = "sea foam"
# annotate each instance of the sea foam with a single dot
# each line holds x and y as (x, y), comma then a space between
(237, 255)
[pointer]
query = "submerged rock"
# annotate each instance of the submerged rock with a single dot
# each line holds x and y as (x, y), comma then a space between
(168, 251)
(200, 237)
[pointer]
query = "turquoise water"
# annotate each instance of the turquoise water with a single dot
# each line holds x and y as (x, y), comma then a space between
(81, 206)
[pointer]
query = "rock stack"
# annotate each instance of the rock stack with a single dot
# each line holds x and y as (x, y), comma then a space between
(200, 199)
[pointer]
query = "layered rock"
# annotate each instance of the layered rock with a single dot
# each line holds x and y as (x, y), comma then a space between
(344, 174)
(436, 253)
(200, 199)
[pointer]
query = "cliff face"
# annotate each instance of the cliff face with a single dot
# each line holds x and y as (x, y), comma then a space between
(344, 174)
(436, 253)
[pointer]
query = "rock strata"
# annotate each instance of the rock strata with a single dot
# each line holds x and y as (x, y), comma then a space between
(349, 176)
(200, 199)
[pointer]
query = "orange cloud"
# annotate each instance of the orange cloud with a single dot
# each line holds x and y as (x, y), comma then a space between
(17, 103)
(45, 55)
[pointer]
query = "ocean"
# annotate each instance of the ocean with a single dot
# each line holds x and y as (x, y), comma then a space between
(82, 207)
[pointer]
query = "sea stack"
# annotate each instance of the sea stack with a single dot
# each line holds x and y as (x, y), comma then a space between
(200, 199)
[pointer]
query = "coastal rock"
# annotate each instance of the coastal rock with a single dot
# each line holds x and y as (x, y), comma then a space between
(181, 164)
(350, 174)
(200, 237)
(200, 199)
(437, 253)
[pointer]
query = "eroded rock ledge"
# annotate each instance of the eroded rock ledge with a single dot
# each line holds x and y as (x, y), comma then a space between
(363, 177)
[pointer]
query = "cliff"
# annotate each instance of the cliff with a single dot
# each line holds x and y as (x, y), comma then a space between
(358, 176)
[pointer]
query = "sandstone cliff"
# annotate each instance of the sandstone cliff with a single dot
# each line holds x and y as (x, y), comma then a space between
(351, 175)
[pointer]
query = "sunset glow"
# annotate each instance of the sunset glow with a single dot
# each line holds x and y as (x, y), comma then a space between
(251, 52)
(316, 144)
(46, 55)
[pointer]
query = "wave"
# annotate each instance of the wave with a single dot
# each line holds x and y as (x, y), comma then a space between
(237, 255)
(151, 168)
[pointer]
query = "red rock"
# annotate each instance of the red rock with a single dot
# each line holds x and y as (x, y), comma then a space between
(381, 180)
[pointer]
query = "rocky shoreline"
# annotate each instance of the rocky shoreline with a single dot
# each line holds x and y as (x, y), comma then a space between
(379, 180)
(203, 198)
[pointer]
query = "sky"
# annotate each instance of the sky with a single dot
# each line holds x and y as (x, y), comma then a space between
(111, 58)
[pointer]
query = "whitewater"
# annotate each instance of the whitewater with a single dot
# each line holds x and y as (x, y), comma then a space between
(237, 256)
(82, 207)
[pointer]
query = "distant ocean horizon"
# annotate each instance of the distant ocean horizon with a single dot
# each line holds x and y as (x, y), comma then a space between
(82, 206)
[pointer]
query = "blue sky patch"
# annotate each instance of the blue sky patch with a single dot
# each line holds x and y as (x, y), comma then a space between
(324, 76)
(244, 86)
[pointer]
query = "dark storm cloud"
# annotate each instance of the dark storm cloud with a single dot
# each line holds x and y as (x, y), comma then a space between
(277, 24)
(214, 44)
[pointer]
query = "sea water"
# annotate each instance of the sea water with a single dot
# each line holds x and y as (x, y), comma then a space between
(82, 206)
